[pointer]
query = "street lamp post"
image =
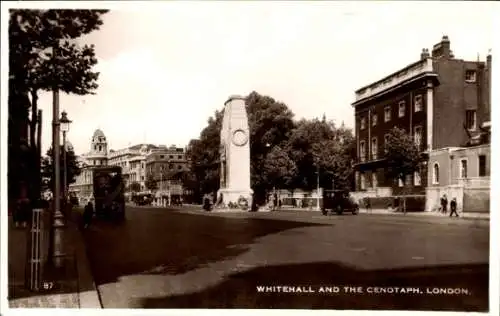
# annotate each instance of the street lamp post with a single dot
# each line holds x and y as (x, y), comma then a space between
(56, 223)
(317, 186)
(64, 123)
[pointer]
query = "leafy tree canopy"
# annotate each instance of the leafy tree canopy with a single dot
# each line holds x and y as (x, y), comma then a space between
(72, 166)
(402, 154)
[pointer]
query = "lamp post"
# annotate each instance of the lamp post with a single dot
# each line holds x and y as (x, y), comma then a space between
(268, 145)
(64, 123)
(56, 223)
(317, 186)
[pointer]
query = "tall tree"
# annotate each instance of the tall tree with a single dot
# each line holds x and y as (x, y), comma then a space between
(43, 55)
(73, 168)
(279, 169)
(304, 142)
(271, 123)
(151, 183)
(403, 155)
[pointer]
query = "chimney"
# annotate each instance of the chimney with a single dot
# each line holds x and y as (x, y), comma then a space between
(442, 49)
(425, 54)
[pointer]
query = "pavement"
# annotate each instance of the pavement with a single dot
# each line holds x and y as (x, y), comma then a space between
(463, 215)
(186, 258)
(70, 287)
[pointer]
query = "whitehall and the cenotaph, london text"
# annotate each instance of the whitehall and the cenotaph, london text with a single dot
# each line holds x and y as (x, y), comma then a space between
(235, 153)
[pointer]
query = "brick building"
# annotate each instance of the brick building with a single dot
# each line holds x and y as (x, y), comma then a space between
(164, 165)
(439, 100)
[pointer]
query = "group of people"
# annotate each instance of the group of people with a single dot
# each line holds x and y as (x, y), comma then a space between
(444, 205)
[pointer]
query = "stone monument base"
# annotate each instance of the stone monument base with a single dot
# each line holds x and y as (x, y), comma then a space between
(231, 196)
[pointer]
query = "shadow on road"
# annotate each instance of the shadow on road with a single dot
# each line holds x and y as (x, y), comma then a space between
(173, 244)
(240, 290)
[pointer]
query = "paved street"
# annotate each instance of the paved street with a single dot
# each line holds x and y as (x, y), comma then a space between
(165, 258)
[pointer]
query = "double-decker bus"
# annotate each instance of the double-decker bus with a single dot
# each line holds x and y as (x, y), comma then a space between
(109, 192)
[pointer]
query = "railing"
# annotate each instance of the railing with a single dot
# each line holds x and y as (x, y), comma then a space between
(395, 79)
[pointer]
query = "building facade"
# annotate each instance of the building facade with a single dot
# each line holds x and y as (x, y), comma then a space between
(133, 162)
(462, 173)
(97, 156)
(439, 100)
(163, 165)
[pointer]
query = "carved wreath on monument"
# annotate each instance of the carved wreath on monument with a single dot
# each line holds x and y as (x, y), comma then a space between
(240, 137)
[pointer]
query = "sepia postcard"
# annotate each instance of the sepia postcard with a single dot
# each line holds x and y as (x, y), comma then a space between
(249, 156)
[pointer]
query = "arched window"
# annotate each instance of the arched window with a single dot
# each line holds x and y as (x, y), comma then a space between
(435, 173)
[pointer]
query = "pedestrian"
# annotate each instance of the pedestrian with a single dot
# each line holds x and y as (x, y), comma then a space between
(368, 205)
(88, 213)
(444, 204)
(453, 207)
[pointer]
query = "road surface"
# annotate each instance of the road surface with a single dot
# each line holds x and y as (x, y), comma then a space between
(185, 258)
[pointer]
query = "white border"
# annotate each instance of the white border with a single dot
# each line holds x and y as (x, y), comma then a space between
(134, 5)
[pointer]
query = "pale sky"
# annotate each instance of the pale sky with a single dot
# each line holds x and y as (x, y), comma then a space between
(165, 68)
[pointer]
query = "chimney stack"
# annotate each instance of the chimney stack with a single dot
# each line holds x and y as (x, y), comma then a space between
(425, 54)
(442, 49)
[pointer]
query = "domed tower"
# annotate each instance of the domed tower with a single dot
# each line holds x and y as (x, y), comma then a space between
(98, 154)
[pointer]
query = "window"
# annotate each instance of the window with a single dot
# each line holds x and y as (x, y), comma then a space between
(417, 180)
(362, 150)
(162, 157)
(362, 181)
(470, 76)
(386, 142)
(470, 119)
(482, 165)
(418, 103)
(171, 167)
(142, 178)
(374, 119)
(402, 108)
(374, 148)
(374, 180)
(171, 157)
(179, 167)
(417, 135)
(463, 168)
(179, 157)
(387, 114)
(363, 123)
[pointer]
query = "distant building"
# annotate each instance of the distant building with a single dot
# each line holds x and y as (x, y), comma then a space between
(133, 162)
(165, 165)
(97, 156)
(439, 100)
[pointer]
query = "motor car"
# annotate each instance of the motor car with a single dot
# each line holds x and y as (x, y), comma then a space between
(339, 202)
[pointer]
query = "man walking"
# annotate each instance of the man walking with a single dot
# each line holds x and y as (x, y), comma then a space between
(444, 204)
(88, 213)
(453, 207)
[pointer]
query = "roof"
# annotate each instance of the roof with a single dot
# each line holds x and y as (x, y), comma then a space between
(98, 133)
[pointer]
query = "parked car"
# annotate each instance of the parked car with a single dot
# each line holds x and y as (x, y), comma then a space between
(338, 201)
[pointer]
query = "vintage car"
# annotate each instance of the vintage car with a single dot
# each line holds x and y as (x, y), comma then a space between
(339, 202)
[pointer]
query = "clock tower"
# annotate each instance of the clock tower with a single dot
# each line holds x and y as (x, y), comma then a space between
(235, 153)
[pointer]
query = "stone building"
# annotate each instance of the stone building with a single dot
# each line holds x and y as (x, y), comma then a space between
(97, 156)
(164, 165)
(439, 100)
(462, 173)
(133, 162)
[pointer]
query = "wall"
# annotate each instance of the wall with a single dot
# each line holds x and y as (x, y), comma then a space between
(473, 192)
(453, 96)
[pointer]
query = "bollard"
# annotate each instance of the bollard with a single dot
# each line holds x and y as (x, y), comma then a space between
(34, 273)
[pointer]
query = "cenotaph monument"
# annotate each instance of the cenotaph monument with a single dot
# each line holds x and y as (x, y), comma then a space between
(235, 154)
